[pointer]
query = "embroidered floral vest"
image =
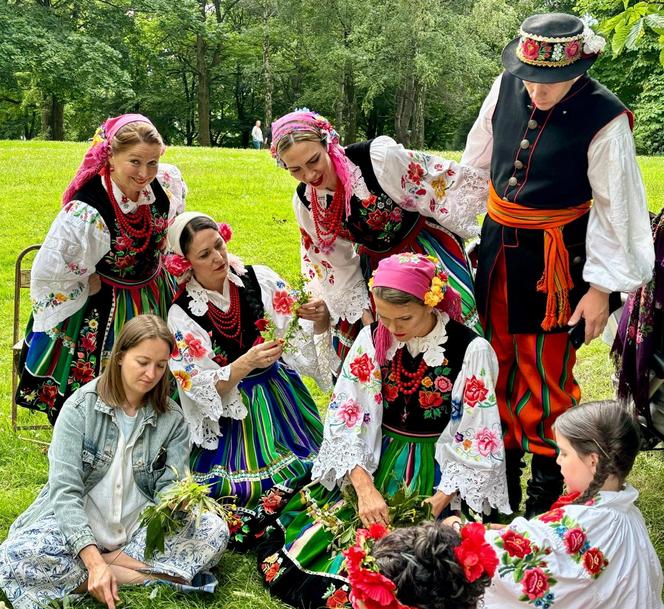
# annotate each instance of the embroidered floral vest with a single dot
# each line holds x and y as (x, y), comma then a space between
(123, 262)
(378, 223)
(251, 309)
(428, 410)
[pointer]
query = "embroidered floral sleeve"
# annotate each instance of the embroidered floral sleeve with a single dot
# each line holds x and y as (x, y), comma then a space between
(559, 559)
(174, 186)
(452, 194)
(77, 240)
(303, 355)
(194, 367)
(352, 426)
(470, 450)
(335, 274)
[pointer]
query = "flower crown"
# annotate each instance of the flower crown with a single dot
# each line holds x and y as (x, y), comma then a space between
(177, 265)
(375, 591)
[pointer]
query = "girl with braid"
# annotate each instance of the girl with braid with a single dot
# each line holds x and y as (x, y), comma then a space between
(254, 426)
(592, 548)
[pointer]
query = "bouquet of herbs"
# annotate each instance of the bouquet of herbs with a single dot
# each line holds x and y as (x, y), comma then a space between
(405, 508)
(179, 503)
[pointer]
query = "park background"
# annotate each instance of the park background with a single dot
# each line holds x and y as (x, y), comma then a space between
(204, 72)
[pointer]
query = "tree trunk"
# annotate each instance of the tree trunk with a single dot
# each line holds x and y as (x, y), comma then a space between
(404, 111)
(53, 119)
(417, 141)
(267, 72)
(204, 138)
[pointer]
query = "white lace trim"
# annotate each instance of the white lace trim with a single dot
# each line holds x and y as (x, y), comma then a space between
(348, 304)
(480, 489)
(430, 345)
(303, 355)
(468, 201)
(338, 457)
(328, 360)
(200, 296)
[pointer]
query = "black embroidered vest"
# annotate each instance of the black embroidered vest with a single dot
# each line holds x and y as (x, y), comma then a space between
(377, 223)
(427, 411)
(540, 160)
(123, 262)
(251, 310)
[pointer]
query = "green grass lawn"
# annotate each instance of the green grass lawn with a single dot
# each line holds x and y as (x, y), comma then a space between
(247, 190)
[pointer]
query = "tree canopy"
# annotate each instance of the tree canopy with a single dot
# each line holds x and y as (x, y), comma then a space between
(205, 70)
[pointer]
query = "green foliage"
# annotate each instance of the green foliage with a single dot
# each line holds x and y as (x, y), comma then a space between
(649, 111)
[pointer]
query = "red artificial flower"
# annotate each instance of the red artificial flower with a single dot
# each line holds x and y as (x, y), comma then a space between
(572, 49)
(377, 530)
(337, 600)
(176, 265)
(83, 371)
(362, 367)
(282, 302)
(574, 540)
(374, 586)
(516, 544)
(271, 502)
(390, 392)
(195, 346)
(594, 561)
(530, 49)
(474, 391)
(225, 231)
(262, 324)
(474, 554)
(430, 399)
(535, 583)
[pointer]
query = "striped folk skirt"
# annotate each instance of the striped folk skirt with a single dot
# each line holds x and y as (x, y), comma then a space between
(295, 559)
(263, 459)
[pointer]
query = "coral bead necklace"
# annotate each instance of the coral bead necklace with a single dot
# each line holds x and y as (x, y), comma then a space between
(407, 382)
(137, 226)
(228, 324)
(327, 222)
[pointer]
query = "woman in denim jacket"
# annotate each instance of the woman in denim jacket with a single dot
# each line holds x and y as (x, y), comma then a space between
(118, 443)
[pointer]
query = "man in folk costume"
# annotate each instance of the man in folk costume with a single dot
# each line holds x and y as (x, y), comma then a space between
(567, 225)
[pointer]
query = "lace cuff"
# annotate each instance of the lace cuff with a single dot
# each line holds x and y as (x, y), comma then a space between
(328, 360)
(480, 489)
(338, 457)
(466, 202)
(348, 304)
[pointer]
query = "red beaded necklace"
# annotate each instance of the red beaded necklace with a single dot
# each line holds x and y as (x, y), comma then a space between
(407, 382)
(228, 324)
(137, 224)
(327, 222)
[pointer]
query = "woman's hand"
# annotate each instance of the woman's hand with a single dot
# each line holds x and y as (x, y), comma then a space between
(262, 355)
(371, 506)
(102, 583)
(94, 284)
(316, 310)
(439, 501)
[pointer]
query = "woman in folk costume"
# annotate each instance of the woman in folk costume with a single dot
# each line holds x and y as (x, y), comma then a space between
(415, 404)
(381, 197)
(567, 224)
(254, 425)
(100, 263)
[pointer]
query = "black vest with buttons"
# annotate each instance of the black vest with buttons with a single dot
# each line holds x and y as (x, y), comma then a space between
(540, 160)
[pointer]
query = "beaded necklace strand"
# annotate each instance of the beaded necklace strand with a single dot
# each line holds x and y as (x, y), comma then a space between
(228, 324)
(136, 226)
(327, 222)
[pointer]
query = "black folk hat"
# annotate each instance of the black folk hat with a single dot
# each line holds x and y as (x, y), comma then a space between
(552, 47)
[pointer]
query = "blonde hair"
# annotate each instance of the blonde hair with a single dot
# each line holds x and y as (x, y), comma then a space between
(312, 135)
(135, 133)
(142, 327)
(395, 297)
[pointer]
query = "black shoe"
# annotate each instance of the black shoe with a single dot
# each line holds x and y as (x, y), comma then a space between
(544, 487)
(513, 466)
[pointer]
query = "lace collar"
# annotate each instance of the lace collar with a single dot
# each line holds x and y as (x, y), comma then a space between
(145, 197)
(360, 189)
(200, 296)
(431, 344)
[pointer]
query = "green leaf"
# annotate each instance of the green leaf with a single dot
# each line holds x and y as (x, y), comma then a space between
(154, 538)
(635, 34)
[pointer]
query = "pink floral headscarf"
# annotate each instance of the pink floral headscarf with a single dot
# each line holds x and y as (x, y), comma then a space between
(305, 120)
(96, 158)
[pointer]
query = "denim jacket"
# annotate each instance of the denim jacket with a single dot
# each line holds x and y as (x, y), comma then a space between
(85, 438)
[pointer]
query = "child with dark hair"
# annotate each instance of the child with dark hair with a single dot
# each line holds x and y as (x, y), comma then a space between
(429, 566)
(591, 549)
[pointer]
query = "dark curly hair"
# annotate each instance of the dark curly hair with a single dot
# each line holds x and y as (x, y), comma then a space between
(420, 561)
